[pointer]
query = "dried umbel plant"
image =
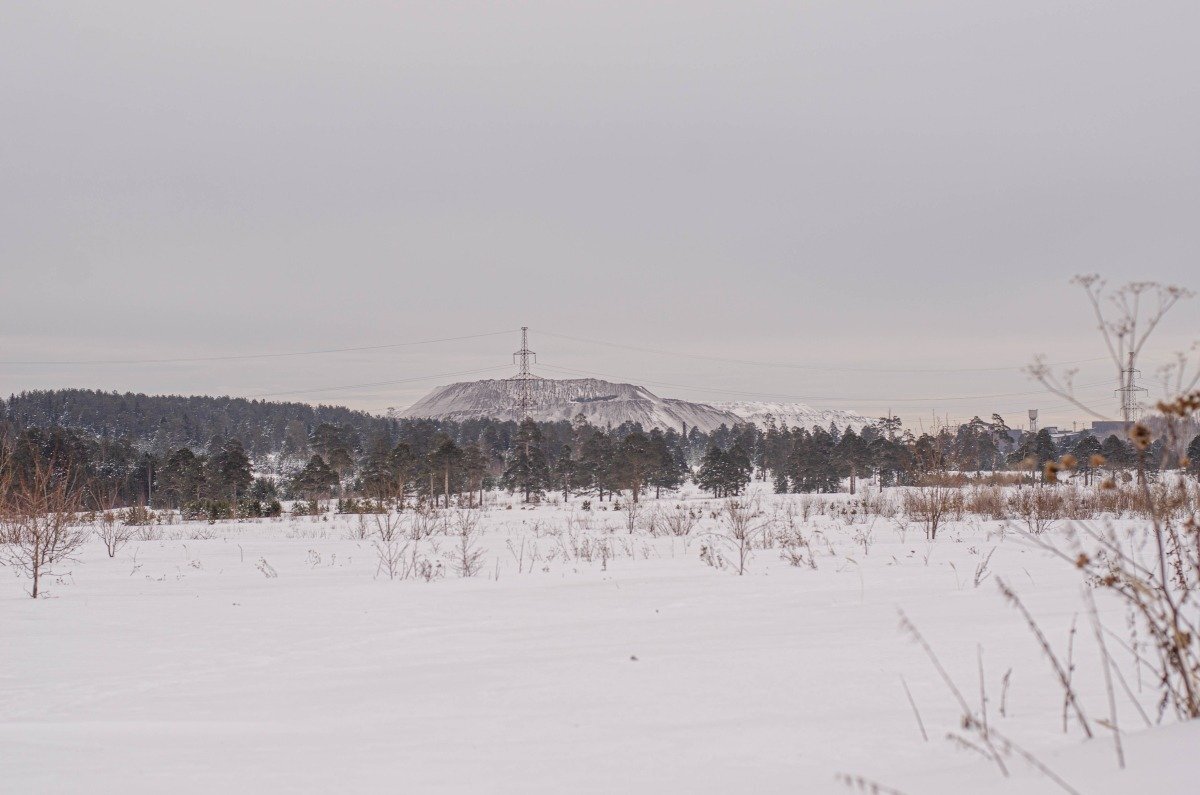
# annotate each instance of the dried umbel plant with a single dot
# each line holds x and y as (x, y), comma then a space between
(1126, 318)
(1154, 569)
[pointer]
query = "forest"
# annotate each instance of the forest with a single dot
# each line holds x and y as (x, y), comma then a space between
(222, 457)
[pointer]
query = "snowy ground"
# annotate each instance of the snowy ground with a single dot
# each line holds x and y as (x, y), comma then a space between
(180, 666)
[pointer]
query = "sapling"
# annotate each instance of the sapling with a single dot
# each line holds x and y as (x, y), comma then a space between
(39, 524)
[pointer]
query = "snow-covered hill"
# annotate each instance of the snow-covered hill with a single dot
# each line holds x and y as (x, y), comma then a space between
(604, 403)
(792, 415)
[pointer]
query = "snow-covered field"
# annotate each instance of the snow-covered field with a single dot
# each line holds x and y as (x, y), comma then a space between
(268, 656)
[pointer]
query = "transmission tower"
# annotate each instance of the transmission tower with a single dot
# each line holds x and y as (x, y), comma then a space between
(523, 377)
(1130, 392)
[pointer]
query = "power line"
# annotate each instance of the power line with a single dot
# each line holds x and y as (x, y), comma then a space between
(794, 366)
(381, 383)
(807, 398)
(261, 355)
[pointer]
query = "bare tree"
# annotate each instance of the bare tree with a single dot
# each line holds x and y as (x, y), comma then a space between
(111, 530)
(40, 526)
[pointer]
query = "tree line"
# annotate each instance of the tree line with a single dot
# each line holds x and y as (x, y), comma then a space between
(390, 461)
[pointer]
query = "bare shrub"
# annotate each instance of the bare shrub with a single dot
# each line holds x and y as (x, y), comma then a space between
(113, 533)
(40, 526)
(1038, 508)
(147, 532)
(987, 501)
(426, 521)
(930, 505)
(468, 559)
(633, 515)
(389, 544)
(743, 526)
(681, 521)
(794, 547)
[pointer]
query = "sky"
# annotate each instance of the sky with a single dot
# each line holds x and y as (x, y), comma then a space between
(863, 206)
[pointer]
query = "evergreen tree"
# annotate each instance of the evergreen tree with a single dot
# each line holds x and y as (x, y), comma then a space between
(1087, 447)
(181, 478)
(528, 470)
(670, 470)
(1044, 448)
(714, 472)
(853, 456)
(1117, 453)
(474, 470)
(1193, 457)
(316, 481)
(376, 476)
(402, 464)
(443, 462)
(595, 464)
(636, 459)
(230, 469)
(741, 470)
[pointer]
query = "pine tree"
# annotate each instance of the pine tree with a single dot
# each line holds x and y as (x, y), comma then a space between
(713, 473)
(181, 478)
(402, 463)
(670, 470)
(595, 464)
(474, 470)
(316, 480)
(1117, 453)
(1084, 450)
(528, 470)
(443, 461)
(1193, 457)
(636, 459)
(740, 469)
(231, 469)
(853, 456)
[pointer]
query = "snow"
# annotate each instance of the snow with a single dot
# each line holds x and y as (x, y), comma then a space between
(793, 415)
(603, 403)
(178, 666)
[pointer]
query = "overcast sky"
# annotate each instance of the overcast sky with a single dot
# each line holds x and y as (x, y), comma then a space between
(879, 187)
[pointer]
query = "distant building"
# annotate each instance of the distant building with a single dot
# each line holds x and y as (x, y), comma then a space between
(1106, 428)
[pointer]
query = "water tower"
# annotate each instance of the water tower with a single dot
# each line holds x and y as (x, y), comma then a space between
(1033, 420)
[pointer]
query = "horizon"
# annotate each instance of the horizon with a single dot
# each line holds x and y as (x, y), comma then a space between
(885, 190)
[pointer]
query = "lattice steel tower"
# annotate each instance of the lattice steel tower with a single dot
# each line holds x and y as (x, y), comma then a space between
(1131, 406)
(524, 378)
